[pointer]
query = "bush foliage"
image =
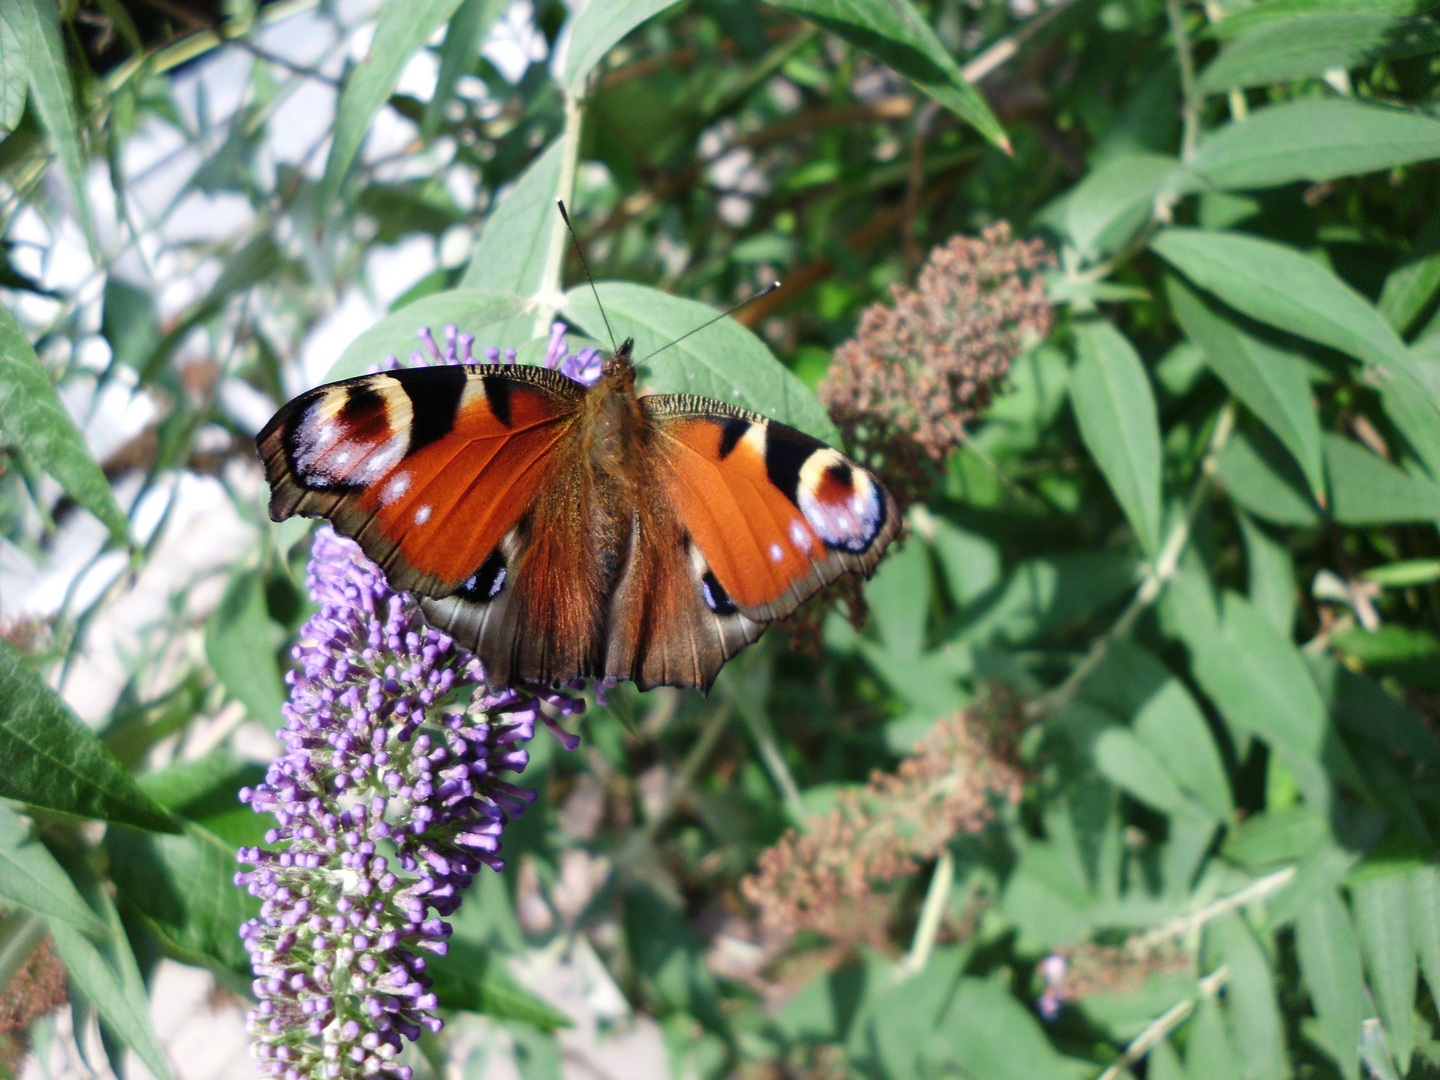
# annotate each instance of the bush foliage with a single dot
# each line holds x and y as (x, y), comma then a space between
(1133, 765)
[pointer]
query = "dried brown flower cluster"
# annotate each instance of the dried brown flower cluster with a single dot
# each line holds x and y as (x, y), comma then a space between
(904, 387)
(38, 988)
(825, 879)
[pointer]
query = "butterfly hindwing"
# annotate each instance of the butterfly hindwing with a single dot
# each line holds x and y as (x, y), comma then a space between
(766, 516)
(427, 468)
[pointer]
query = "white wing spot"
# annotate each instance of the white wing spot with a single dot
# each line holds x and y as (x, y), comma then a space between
(397, 486)
(799, 536)
(776, 553)
(422, 515)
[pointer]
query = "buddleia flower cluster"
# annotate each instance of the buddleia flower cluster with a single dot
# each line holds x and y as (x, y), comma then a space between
(388, 798)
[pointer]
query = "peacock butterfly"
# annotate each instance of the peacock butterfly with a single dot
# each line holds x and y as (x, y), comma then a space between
(560, 530)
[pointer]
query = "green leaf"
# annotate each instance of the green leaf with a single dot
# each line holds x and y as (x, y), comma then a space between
(1106, 208)
(109, 979)
(184, 886)
(896, 34)
(468, 977)
(598, 28)
(1263, 478)
(1239, 20)
(474, 311)
(14, 74)
(240, 643)
(1208, 1053)
(129, 323)
(1404, 574)
(1110, 394)
(1255, 1019)
(1270, 575)
(1129, 764)
(725, 361)
(1418, 418)
(1280, 287)
(1171, 725)
(1368, 490)
(55, 761)
(1382, 917)
(1330, 964)
(1314, 44)
(1273, 837)
(1261, 685)
(1424, 893)
(1410, 287)
(30, 877)
(510, 253)
(33, 417)
(36, 26)
(403, 29)
(986, 1033)
(1271, 382)
(1314, 140)
(468, 28)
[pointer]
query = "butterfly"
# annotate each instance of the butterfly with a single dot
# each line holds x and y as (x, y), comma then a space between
(561, 531)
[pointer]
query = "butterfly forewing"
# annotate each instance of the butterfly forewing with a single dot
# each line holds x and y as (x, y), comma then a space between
(427, 468)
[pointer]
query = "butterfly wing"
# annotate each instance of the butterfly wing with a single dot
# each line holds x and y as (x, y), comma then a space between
(745, 519)
(428, 468)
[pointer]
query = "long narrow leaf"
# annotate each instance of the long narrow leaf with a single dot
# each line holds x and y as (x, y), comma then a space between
(1115, 408)
(895, 33)
(36, 25)
(33, 417)
(53, 760)
(30, 877)
(598, 28)
(403, 28)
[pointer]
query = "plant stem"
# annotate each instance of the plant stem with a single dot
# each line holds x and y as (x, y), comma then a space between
(1186, 924)
(932, 914)
(549, 297)
(1165, 1023)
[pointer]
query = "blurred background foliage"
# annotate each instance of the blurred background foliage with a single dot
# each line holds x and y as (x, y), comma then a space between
(1132, 769)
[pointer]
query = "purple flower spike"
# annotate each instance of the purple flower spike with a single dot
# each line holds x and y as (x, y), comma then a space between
(387, 801)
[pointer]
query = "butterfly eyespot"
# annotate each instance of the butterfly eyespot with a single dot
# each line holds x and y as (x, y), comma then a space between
(485, 584)
(840, 502)
(716, 598)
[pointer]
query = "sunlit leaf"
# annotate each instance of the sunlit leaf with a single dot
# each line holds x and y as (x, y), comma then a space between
(1115, 408)
(31, 878)
(1382, 917)
(468, 26)
(725, 361)
(36, 27)
(55, 761)
(14, 75)
(1369, 490)
(33, 417)
(1314, 44)
(109, 979)
(402, 29)
(1254, 1014)
(1271, 382)
(1281, 287)
(598, 28)
(1330, 964)
(896, 33)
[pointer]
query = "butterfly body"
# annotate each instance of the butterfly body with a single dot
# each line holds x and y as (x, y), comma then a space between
(563, 531)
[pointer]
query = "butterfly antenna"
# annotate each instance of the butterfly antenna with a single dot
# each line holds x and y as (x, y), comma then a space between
(586, 267)
(728, 311)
